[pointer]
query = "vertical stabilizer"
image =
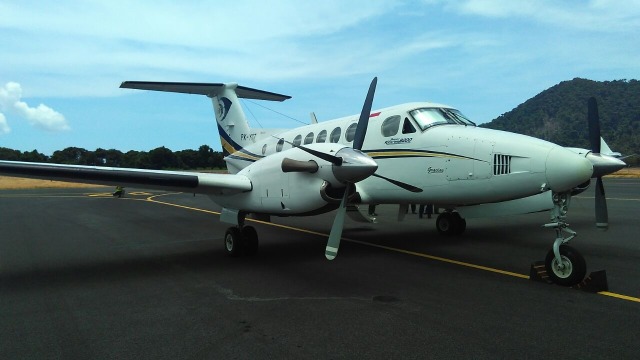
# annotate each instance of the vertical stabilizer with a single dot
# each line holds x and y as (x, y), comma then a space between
(233, 127)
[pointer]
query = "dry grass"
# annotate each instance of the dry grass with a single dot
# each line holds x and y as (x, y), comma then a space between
(631, 172)
(14, 183)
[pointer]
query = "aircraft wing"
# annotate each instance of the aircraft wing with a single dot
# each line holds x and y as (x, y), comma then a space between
(207, 183)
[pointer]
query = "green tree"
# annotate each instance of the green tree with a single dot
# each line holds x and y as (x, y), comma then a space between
(10, 154)
(163, 158)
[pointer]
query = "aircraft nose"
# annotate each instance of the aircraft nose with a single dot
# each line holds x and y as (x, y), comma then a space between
(356, 166)
(565, 169)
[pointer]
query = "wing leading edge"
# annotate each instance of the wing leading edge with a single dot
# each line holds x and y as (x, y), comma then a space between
(207, 183)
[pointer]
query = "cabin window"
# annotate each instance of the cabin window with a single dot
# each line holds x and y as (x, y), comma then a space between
(308, 139)
(264, 149)
(351, 132)
(390, 125)
(335, 135)
(280, 145)
(322, 136)
(407, 127)
(297, 140)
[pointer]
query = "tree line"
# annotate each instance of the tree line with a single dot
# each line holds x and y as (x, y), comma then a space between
(158, 158)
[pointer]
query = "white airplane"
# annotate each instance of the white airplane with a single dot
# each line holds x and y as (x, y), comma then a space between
(414, 153)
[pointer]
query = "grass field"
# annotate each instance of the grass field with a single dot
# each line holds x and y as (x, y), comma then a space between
(12, 183)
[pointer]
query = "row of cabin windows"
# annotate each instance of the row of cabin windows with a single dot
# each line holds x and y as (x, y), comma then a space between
(390, 127)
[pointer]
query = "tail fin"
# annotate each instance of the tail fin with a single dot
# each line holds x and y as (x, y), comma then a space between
(232, 124)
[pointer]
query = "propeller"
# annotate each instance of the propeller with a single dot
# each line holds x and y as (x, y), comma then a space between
(350, 166)
(333, 244)
(602, 164)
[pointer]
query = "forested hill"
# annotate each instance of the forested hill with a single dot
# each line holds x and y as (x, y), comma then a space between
(559, 114)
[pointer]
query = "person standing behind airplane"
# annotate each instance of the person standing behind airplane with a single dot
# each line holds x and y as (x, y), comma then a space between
(425, 209)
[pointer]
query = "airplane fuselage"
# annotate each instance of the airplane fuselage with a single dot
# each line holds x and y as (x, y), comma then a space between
(454, 162)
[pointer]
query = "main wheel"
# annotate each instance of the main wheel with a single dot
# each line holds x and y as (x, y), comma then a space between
(250, 238)
(446, 224)
(459, 224)
(568, 272)
(233, 242)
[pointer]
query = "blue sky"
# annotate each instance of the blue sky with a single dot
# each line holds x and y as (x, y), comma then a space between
(62, 62)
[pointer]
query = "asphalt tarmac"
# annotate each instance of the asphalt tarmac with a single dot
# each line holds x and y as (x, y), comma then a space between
(84, 275)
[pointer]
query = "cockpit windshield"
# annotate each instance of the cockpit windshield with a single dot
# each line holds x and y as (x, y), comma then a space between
(428, 117)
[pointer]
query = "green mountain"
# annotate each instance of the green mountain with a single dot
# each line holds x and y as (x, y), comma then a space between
(559, 115)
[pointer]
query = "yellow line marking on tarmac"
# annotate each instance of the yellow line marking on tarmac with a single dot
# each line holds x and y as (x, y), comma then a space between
(153, 199)
(402, 251)
(620, 296)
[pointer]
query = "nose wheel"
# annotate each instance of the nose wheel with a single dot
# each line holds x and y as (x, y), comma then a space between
(569, 269)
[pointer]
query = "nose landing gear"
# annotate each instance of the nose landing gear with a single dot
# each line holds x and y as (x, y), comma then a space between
(564, 264)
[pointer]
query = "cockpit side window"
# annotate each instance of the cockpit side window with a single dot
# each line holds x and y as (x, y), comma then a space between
(428, 117)
(407, 127)
(390, 125)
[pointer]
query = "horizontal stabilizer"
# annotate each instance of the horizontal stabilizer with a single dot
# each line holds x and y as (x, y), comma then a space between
(208, 89)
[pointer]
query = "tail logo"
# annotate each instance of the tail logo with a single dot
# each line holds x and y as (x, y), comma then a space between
(224, 105)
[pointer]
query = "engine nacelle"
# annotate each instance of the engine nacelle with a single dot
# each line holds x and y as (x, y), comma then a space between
(304, 184)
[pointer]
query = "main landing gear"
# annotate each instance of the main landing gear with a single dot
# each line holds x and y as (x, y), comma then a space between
(564, 264)
(241, 240)
(450, 223)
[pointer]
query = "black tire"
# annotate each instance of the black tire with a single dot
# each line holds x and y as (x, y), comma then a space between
(233, 242)
(460, 224)
(575, 266)
(250, 238)
(446, 224)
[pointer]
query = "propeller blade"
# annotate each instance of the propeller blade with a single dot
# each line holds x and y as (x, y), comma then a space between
(335, 160)
(363, 122)
(400, 184)
(594, 125)
(333, 244)
(602, 215)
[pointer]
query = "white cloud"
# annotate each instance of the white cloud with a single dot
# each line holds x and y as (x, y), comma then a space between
(89, 47)
(594, 15)
(4, 127)
(41, 116)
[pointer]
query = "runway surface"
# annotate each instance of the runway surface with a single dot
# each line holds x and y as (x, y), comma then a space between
(84, 275)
